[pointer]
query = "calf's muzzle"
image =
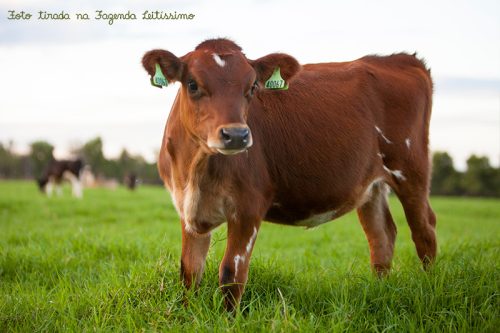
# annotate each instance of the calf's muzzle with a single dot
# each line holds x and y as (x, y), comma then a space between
(235, 137)
(232, 139)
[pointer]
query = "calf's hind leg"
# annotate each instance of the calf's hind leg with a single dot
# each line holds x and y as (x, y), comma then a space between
(422, 222)
(379, 228)
(413, 192)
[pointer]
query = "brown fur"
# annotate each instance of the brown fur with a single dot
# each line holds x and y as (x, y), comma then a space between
(326, 146)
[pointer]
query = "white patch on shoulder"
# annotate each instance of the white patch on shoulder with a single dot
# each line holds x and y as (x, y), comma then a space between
(382, 135)
(315, 220)
(218, 60)
(408, 143)
(396, 173)
(237, 259)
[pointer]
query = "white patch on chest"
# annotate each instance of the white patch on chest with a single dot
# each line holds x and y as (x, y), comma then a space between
(408, 143)
(315, 220)
(218, 60)
(191, 201)
(195, 205)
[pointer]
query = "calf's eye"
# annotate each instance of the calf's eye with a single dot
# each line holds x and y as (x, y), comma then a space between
(192, 86)
(252, 90)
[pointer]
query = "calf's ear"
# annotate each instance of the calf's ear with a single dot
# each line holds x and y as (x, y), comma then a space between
(171, 66)
(267, 65)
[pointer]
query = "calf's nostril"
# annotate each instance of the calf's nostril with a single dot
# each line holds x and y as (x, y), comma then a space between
(225, 136)
(244, 134)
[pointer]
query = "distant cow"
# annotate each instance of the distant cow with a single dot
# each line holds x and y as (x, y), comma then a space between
(130, 181)
(57, 171)
(269, 139)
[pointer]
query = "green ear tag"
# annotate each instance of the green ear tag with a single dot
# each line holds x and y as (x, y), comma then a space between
(276, 82)
(159, 80)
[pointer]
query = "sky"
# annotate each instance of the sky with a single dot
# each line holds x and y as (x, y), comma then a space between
(68, 81)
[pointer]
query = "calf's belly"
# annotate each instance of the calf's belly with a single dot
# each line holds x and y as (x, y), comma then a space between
(307, 216)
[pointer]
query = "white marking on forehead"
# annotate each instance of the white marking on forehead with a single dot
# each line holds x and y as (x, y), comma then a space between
(382, 135)
(396, 173)
(218, 60)
(408, 143)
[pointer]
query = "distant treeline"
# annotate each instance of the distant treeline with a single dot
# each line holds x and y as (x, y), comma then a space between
(479, 179)
(32, 165)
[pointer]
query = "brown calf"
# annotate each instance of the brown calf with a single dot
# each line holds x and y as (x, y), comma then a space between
(237, 152)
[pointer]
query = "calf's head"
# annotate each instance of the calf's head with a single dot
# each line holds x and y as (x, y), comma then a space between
(218, 84)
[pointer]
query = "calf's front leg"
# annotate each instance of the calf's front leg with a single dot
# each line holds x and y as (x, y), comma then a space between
(194, 253)
(233, 270)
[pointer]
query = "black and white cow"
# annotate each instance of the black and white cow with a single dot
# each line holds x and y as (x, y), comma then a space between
(56, 172)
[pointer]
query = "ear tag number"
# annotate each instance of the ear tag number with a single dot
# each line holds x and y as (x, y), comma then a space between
(159, 80)
(276, 82)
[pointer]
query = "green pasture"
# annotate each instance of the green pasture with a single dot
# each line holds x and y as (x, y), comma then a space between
(110, 262)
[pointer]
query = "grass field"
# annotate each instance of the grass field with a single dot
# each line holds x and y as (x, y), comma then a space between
(110, 262)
